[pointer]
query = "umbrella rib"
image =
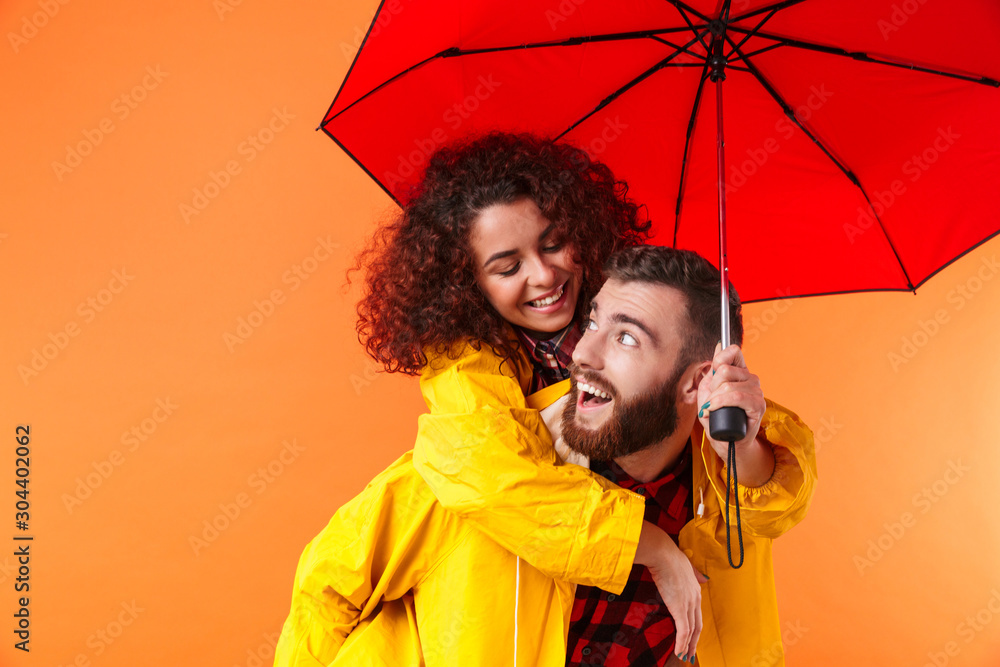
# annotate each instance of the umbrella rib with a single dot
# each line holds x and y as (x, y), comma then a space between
(455, 51)
(847, 172)
(765, 49)
(569, 41)
(687, 145)
(680, 48)
(377, 88)
(631, 84)
(351, 68)
(755, 30)
(864, 57)
(691, 26)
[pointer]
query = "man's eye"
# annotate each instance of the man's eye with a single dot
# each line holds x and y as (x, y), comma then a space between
(589, 325)
(512, 270)
(628, 339)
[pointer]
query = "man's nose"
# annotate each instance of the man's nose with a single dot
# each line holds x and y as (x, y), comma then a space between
(589, 352)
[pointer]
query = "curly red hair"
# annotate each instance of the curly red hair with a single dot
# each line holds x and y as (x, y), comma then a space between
(420, 286)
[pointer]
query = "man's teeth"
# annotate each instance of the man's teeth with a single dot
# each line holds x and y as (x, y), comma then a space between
(593, 390)
(548, 301)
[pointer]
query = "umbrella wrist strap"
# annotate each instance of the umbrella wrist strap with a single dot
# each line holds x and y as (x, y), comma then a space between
(731, 482)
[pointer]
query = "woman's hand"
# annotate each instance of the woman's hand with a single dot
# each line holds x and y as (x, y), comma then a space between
(678, 582)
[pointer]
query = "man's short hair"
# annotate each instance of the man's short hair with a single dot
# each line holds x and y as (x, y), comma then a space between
(700, 283)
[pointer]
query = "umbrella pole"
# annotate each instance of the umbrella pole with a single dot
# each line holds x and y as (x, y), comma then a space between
(726, 424)
(730, 423)
(723, 256)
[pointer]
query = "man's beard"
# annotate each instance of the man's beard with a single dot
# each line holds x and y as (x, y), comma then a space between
(633, 425)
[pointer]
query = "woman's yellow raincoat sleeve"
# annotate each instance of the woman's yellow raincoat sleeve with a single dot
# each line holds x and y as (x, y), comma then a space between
(489, 458)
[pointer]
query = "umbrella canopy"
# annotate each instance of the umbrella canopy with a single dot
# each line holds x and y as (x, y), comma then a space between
(862, 148)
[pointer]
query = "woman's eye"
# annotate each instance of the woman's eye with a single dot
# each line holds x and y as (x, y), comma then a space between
(555, 247)
(628, 339)
(512, 270)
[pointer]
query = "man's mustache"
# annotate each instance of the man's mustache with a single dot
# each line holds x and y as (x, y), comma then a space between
(593, 378)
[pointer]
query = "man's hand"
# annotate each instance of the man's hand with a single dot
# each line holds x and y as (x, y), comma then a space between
(678, 582)
(732, 384)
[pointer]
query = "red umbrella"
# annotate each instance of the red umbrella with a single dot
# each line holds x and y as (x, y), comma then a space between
(864, 143)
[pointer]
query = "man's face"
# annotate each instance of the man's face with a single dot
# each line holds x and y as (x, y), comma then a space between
(624, 380)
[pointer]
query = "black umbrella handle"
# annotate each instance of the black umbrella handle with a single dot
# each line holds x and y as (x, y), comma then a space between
(728, 424)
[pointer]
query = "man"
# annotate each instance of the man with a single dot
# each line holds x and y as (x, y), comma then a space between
(644, 381)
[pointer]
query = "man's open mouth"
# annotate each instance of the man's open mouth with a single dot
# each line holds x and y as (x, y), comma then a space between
(591, 396)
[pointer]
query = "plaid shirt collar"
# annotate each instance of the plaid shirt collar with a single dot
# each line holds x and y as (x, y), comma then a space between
(550, 358)
(669, 492)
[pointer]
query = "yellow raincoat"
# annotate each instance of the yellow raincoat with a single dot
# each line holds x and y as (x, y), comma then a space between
(395, 579)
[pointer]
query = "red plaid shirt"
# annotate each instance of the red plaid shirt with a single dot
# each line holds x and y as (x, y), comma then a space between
(633, 628)
(550, 358)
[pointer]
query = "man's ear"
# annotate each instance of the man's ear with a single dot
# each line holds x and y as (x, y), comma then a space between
(687, 389)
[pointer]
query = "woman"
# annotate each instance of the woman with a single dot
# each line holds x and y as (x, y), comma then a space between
(479, 286)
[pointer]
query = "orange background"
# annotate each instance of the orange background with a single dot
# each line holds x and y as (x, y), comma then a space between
(114, 516)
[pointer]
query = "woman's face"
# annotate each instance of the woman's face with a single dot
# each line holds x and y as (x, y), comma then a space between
(524, 268)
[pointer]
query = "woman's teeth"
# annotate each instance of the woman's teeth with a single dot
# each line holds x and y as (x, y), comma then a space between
(593, 390)
(548, 301)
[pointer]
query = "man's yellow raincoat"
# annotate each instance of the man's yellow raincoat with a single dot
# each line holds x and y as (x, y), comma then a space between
(426, 568)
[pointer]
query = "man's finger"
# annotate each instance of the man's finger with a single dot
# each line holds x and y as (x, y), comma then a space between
(732, 356)
(752, 403)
